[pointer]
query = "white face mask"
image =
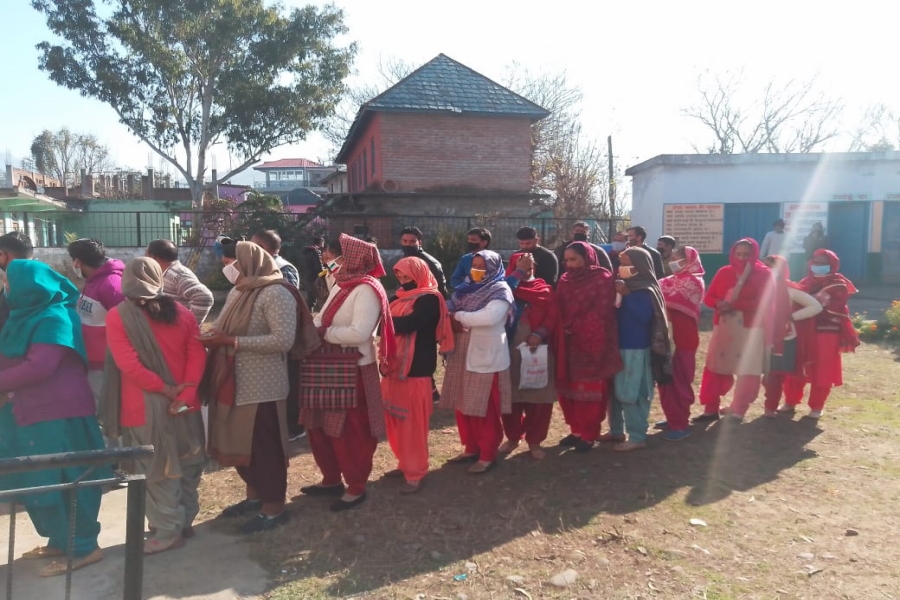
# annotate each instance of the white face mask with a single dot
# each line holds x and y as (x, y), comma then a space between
(231, 273)
(78, 272)
(675, 266)
(618, 246)
(626, 272)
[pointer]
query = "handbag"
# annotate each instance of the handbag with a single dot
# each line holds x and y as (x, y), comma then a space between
(534, 373)
(328, 378)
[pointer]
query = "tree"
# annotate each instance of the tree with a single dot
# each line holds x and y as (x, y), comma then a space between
(795, 116)
(185, 75)
(63, 154)
(878, 131)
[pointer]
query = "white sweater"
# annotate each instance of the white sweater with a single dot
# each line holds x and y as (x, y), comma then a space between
(488, 350)
(355, 322)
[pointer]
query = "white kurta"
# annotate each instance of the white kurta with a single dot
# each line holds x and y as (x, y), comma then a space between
(355, 322)
(488, 350)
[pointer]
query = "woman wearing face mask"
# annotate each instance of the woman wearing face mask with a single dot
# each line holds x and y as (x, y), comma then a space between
(421, 324)
(477, 382)
(345, 415)
(794, 330)
(743, 294)
(683, 293)
(587, 348)
(644, 346)
(535, 322)
(246, 383)
(834, 334)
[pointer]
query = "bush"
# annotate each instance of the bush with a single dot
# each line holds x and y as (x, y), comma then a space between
(887, 328)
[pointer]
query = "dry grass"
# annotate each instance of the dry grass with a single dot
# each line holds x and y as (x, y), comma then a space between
(778, 496)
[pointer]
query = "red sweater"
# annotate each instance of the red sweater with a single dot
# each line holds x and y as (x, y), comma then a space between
(183, 353)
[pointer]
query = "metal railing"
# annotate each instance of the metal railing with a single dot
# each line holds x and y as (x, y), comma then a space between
(200, 228)
(134, 519)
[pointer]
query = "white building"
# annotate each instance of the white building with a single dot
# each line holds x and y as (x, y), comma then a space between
(711, 200)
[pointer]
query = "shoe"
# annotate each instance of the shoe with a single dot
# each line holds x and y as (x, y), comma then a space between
(661, 425)
(770, 414)
(155, 545)
(706, 418)
(583, 446)
(629, 446)
(507, 447)
(43, 552)
(261, 523)
(676, 436)
(342, 505)
(393, 474)
(242, 508)
(611, 437)
(323, 490)
(787, 409)
(462, 458)
(58, 567)
(537, 453)
(569, 440)
(435, 396)
(297, 435)
(411, 488)
(481, 467)
(814, 414)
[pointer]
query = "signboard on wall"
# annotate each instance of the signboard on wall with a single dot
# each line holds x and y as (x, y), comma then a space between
(699, 225)
(798, 221)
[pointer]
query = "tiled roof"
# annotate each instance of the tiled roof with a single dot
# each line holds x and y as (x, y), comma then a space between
(287, 163)
(446, 86)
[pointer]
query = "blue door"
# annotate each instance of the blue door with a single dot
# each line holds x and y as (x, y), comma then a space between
(890, 243)
(753, 220)
(848, 236)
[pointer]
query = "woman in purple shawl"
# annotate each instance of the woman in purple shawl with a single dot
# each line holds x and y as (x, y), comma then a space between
(476, 382)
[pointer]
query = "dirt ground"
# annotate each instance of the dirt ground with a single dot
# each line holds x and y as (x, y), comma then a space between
(790, 508)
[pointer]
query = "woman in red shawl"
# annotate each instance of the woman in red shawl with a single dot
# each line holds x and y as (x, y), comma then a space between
(834, 333)
(794, 330)
(535, 323)
(588, 346)
(340, 402)
(683, 293)
(742, 293)
(421, 323)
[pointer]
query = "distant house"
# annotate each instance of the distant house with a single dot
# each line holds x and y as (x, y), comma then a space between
(445, 140)
(291, 173)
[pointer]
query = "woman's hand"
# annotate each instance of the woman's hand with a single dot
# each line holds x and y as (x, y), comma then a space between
(526, 262)
(216, 339)
(173, 391)
(622, 287)
(177, 408)
(724, 306)
(533, 341)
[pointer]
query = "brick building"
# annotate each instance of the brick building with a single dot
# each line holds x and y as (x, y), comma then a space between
(445, 140)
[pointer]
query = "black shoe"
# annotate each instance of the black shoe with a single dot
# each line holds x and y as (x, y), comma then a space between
(261, 523)
(706, 418)
(435, 396)
(583, 446)
(322, 490)
(242, 508)
(342, 505)
(297, 434)
(569, 441)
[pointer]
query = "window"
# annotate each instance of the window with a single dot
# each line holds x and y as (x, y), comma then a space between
(365, 170)
(372, 155)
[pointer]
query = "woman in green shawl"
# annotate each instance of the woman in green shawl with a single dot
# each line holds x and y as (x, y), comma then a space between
(46, 407)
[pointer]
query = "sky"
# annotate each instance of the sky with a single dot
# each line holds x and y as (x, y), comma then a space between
(636, 63)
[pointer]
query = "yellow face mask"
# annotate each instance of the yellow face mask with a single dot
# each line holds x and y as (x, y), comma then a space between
(477, 274)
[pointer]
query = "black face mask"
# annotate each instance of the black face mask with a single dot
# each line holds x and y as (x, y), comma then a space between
(579, 237)
(409, 285)
(473, 246)
(409, 250)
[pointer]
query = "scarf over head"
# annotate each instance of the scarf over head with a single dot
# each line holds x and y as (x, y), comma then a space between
(749, 286)
(837, 290)
(684, 290)
(172, 436)
(589, 344)
(472, 296)
(361, 265)
(645, 279)
(42, 310)
(426, 284)
(537, 295)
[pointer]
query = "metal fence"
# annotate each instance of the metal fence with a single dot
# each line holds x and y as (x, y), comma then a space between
(134, 520)
(200, 228)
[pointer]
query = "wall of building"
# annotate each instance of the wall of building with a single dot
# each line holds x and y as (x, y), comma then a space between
(423, 151)
(364, 158)
(847, 195)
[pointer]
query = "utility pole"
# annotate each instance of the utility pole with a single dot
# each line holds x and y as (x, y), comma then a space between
(612, 190)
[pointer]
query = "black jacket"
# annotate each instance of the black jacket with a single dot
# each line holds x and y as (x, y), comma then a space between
(657, 261)
(423, 321)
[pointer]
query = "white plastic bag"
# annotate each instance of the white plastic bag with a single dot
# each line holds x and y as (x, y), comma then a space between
(535, 370)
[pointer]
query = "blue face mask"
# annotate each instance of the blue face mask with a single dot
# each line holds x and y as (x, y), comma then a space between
(820, 270)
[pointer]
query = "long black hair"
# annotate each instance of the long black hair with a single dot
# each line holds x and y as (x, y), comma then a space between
(161, 308)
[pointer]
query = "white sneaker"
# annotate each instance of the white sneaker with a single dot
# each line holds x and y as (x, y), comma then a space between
(815, 414)
(787, 408)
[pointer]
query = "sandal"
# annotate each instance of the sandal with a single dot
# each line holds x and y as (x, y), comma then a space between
(507, 447)
(537, 453)
(155, 545)
(411, 487)
(481, 467)
(43, 552)
(58, 567)
(607, 438)
(462, 458)
(629, 446)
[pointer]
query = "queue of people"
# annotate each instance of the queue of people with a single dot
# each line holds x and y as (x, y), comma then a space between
(516, 338)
